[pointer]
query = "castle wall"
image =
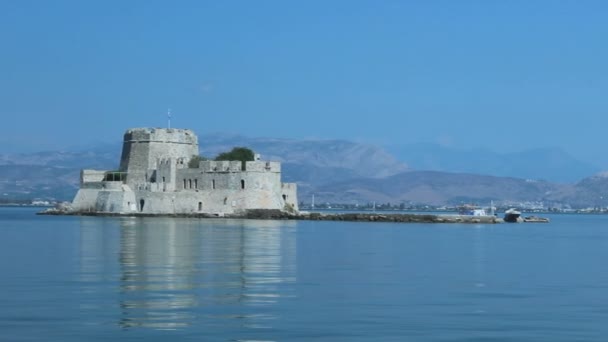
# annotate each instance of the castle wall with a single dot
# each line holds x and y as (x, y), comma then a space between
(193, 179)
(227, 191)
(115, 197)
(289, 192)
(165, 175)
(116, 201)
(206, 201)
(111, 197)
(85, 199)
(220, 166)
(263, 166)
(90, 176)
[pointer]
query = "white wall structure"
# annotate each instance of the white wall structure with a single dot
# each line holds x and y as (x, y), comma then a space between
(154, 178)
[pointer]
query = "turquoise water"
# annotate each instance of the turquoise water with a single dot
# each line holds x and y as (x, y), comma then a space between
(102, 279)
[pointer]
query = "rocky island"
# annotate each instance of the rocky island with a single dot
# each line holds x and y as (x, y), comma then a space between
(160, 175)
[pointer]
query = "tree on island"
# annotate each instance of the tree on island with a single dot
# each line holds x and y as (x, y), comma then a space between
(243, 154)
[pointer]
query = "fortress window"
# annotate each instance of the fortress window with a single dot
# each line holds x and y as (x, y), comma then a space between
(213, 184)
(200, 206)
(163, 179)
(242, 184)
(141, 204)
(190, 183)
(196, 183)
(184, 183)
(284, 197)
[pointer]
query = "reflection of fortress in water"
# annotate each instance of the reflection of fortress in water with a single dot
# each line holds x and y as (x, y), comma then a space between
(176, 271)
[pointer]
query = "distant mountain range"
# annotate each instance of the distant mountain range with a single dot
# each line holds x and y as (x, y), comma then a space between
(363, 160)
(340, 171)
(551, 164)
(312, 163)
(441, 188)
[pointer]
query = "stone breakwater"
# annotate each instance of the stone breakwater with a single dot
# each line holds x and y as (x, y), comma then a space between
(374, 217)
(262, 214)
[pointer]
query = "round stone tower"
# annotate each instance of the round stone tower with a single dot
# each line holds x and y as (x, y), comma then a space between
(143, 147)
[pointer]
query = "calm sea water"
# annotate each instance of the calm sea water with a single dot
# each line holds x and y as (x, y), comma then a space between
(106, 279)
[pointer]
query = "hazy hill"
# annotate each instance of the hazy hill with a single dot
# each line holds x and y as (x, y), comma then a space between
(354, 159)
(337, 171)
(591, 191)
(30, 182)
(308, 162)
(552, 164)
(311, 163)
(440, 188)
(105, 158)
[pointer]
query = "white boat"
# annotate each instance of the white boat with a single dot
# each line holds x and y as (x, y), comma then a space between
(513, 215)
(536, 219)
(469, 210)
(473, 210)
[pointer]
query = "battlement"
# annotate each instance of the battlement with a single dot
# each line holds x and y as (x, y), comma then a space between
(220, 166)
(263, 166)
(163, 135)
(236, 166)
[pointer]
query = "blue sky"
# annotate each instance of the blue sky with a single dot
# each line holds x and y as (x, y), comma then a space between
(504, 75)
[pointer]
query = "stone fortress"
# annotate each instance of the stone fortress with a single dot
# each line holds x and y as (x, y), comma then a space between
(154, 177)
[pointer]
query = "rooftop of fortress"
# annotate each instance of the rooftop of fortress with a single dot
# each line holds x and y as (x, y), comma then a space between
(175, 135)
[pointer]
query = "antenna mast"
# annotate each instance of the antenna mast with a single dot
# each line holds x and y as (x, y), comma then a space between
(169, 118)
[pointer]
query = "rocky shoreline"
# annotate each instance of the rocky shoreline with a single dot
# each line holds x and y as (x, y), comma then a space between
(262, 214)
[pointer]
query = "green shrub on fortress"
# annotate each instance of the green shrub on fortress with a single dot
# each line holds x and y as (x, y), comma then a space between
(193, 163)
(243, 154)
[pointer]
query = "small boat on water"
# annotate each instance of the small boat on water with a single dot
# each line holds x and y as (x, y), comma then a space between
(536, 219)
(513, 215)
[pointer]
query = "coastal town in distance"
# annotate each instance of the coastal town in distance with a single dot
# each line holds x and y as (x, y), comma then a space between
(371, 207)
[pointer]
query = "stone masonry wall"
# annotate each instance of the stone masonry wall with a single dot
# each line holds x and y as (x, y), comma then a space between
(290, 193)
(143, 148)
(89, 176)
